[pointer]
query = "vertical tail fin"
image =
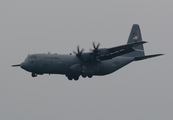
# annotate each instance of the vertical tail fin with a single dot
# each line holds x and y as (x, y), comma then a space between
(135, 36)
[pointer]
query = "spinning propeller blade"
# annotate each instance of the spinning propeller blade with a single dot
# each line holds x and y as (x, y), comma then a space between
(79, 52)
(96, 47)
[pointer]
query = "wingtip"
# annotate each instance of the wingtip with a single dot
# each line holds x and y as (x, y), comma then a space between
(159, 54)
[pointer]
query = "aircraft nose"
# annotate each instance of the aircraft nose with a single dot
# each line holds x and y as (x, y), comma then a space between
(23, 65)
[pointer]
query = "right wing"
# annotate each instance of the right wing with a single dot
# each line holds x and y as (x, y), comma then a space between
(120, 50)
(107, 53)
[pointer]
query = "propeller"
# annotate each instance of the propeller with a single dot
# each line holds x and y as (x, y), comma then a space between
(96, 47)
(79, 52)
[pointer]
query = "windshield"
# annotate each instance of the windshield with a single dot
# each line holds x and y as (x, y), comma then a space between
(31, 57)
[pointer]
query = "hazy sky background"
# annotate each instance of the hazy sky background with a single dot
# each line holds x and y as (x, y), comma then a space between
(139, 91)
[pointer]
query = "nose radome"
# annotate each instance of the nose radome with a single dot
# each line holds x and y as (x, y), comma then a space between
(23, 65)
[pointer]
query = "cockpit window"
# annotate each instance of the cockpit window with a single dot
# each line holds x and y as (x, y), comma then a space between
(32, 57)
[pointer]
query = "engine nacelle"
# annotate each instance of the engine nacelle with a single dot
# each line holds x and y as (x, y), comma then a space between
(102, 51)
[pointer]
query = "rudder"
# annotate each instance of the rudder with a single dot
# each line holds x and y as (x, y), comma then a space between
(135, 36)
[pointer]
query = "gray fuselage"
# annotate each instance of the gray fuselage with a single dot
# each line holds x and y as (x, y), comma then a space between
(72, 65)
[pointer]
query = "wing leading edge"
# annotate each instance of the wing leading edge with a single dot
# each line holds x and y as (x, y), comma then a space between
(120, 50)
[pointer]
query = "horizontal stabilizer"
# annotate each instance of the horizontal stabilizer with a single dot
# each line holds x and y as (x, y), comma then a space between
(146, 57)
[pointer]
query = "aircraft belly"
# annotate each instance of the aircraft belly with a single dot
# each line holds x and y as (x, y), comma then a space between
(90, 68)
(110, 66)
(52, 67)
(58, 68)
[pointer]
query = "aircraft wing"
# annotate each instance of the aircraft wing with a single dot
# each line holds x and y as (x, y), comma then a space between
(106, 53)
(119, 50)
(127, 46)
(118, 53)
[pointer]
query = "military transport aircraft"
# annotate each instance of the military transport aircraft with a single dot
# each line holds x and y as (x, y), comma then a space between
(99, 61)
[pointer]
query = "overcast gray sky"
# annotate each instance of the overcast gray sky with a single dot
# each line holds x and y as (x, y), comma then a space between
(139, 91)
